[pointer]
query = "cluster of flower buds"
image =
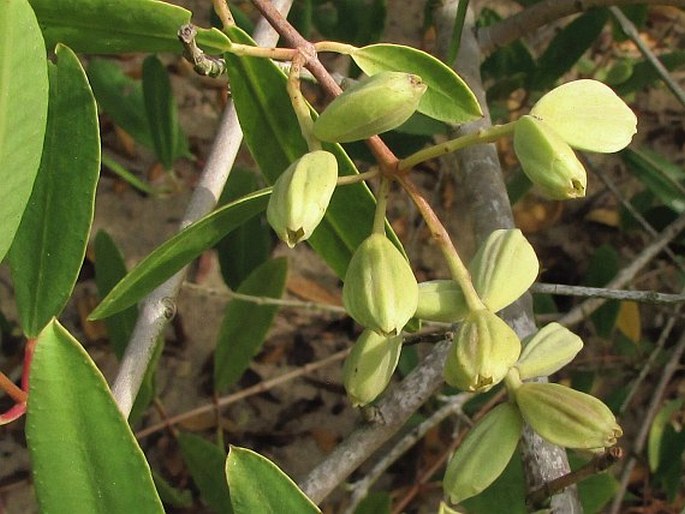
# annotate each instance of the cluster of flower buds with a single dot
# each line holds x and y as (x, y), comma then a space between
(583, 114)
(559, 414)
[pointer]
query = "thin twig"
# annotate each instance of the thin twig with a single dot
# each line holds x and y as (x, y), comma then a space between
(657, 397)
(259, 388)
(599, 172)
(582, 311)
(393, 409)
(629, 29)
(427, 474)
(609, 294)
(517, 26)
(264, 300)
(155, 309)
(647, 366)
(600, 463)
(361, 488)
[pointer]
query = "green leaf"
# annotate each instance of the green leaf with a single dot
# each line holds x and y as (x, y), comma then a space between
(178, 251)
(23, 86)
(656, 432)
(644, 73)
(50, 244)
(84, 456)
(506, 494)
(181, 498)
(603, 267)
(358, 22)
(110, 269)
(246, 324)
(263, 106)
(258, 485)
(447, 99)
(249, 245)
(567, 47)
(375, 503)
(205, 462)
(662, 177)
(160, 107)
(104, 27)
(121, 97)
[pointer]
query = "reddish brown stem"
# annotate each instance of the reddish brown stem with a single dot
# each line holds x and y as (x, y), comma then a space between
(12, 390)
(385, 157)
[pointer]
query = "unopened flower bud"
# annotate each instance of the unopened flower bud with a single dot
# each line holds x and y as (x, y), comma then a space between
(547, 160)
(374, 105)
(484, 453)
(547, 351)
(484, 349)
(567, 417)
(441, 300)
(301, 195)
(370, 365)
(503, 268)
(588, 115)
(380, 290)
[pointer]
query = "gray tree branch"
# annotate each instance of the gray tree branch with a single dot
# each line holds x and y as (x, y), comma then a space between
(477, 170)
(510, 29)
(159, 306)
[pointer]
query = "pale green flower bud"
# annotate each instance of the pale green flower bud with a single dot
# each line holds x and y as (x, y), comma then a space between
(547, 351)
(503, 268)
(370, 365)
(547, 160)
(484, 349)
(441, 300)
(484, 453)
(374, 105)
(301, 195)
(380, 290)
(567, 417)
(588, 115)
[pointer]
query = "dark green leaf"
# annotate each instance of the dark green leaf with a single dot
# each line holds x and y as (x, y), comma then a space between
(567, 47)
(178, 251)
(23, 85)
(258, 485)
(105, 27)
(447, 99)
(662, 177)
(109, 270)
(246, 324)
(661, 421)
(170, 495)
(84, 456)
(603, 267)
(506, 494)
(509, 66)
(263, 106)
(160, 107)
(644, 73)
(375, 503)
(121, 97)
(637, 14)
(249, 245)
(300, 16)
(49, 246)
(206, 465)
(358, 22)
